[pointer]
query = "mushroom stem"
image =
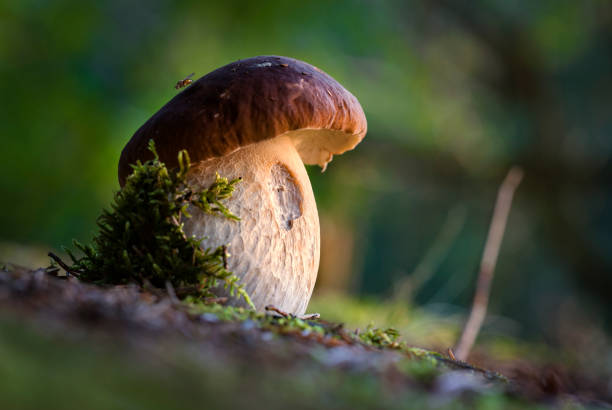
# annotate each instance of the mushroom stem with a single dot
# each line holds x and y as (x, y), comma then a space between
(275, 245)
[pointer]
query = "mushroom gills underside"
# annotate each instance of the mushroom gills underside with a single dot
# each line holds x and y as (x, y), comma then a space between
(318, 146)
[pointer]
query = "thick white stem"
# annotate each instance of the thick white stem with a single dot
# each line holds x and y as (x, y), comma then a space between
(275, 246)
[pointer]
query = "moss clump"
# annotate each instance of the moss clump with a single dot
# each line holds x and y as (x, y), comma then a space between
(381, 338)
(141, 238)
(274, 323)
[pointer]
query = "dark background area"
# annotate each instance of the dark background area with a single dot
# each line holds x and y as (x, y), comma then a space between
(455, 94)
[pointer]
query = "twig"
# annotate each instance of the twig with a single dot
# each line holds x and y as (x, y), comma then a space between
(272, 308)
(282, 313)
(487, 264)
(61, 263)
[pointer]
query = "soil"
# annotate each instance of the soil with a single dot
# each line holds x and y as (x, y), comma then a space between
(320, 362)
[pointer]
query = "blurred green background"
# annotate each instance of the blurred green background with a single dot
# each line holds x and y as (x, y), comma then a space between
(455, 93)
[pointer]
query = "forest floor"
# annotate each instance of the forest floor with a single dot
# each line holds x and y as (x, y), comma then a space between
(68, 345)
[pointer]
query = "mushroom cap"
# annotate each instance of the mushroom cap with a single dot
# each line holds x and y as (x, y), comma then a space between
(249, 101)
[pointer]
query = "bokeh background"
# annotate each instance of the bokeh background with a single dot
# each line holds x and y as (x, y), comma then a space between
(455, 93)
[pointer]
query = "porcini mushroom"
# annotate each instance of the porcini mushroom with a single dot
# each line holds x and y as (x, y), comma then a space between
(261, 119)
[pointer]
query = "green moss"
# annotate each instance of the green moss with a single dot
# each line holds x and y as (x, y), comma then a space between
(141, 238)
(382, 338)
(293, 325)
(276, 324)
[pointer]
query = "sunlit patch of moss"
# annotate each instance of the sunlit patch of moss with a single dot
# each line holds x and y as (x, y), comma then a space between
(374, 337)
(221, 312)
(274, 323)
(141, 238)
(382, 338)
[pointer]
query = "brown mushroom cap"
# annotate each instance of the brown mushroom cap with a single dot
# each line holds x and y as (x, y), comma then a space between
(249, 101)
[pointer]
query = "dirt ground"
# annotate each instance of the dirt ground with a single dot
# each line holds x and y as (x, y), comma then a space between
(65, 344)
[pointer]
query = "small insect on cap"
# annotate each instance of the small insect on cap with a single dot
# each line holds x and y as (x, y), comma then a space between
(249, 101)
